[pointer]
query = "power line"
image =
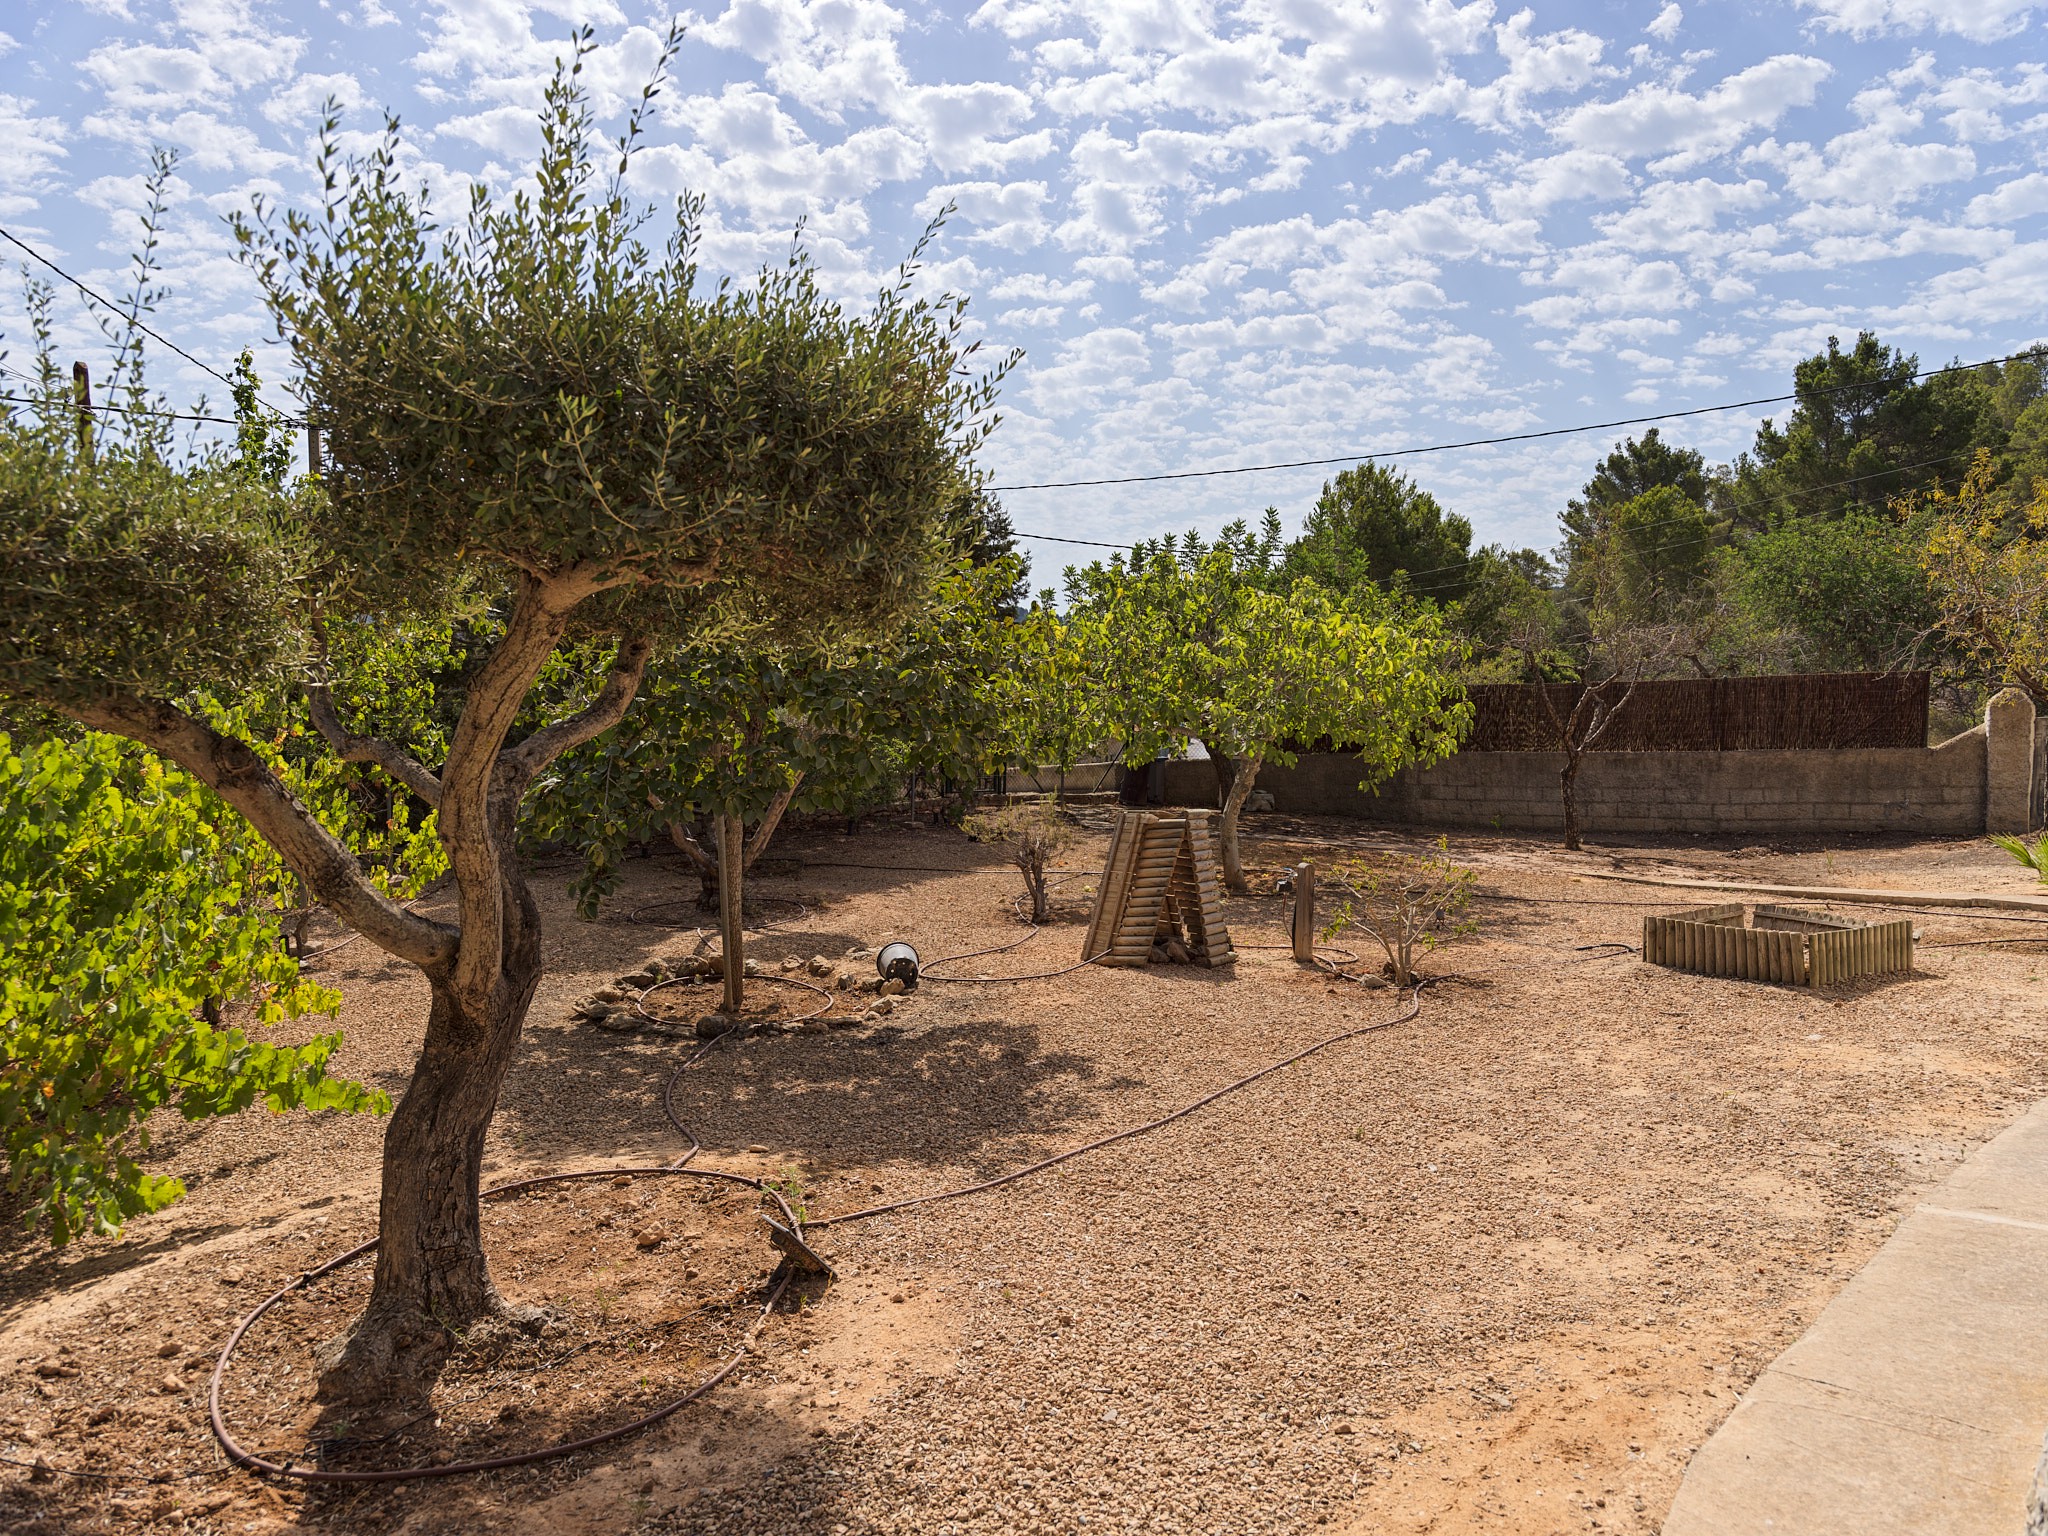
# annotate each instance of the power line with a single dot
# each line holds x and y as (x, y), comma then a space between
(1475, 442)
(129, 410)
(130, 319)
(1461, 565)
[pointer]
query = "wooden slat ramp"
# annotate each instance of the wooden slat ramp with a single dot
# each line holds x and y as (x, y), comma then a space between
(1159, 884)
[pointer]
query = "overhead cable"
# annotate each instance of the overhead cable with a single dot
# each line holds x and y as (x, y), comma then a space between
(1477, 442)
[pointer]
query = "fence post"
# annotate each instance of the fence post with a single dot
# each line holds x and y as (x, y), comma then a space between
(81, 388)
(1305, 912)
(731, 934)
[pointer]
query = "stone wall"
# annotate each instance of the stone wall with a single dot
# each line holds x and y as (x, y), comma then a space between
(1994, 778)
(1930, 790)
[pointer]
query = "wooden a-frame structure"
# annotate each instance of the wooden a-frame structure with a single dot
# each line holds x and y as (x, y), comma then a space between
(1159, 883)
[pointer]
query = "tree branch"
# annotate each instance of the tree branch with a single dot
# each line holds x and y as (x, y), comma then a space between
(233, 771)
(351, 748)
(770, 820)
(517, 765)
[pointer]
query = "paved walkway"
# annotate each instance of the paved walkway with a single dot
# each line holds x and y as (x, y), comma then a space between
(1917, 1401)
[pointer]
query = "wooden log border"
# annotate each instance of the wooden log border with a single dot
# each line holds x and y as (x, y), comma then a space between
(1788, 946)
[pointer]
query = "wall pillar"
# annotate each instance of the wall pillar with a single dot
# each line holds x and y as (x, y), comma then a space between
(2009, 762)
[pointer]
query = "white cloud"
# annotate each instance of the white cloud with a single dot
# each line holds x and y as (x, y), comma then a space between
(299, 103)
(2021, 198)
(1667, 22)
(1578, 175)
(31, 149)
(1663, 120)
(1981, 21)
(1011, 214)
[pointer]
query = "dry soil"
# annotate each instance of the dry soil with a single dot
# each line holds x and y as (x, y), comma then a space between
(1500, 1268)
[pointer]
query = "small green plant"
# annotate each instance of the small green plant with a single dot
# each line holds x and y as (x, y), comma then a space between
(791, 1187)
(1034, 833)
(2034, 855)
(1407, 902)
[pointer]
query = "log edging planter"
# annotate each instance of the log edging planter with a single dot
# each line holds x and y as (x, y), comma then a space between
(1791, 946)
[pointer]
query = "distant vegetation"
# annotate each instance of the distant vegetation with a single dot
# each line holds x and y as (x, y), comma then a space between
(1821, 548)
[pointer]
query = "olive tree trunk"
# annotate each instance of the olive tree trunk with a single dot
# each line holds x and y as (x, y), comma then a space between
(432, 1279)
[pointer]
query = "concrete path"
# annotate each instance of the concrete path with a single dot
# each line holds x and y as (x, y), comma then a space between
(1917, 1401)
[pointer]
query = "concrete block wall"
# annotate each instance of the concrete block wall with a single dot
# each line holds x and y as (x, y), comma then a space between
(1932, 790)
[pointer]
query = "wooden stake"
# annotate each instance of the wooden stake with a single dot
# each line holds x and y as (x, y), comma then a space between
(1305, 913)
(732, 941)
(313, 460)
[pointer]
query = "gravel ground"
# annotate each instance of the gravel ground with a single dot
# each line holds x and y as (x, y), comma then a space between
(1503, 1267)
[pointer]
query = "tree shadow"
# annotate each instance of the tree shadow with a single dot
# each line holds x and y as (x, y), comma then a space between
(957, 1093)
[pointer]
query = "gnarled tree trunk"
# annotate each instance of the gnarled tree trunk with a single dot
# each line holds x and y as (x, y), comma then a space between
(432, 1278)
(1233, 803)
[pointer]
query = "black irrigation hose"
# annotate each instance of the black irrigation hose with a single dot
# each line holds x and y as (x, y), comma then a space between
(1616, 945)
(131, 1479)
(254, 1463)
(1414, 1008)
(925, 971)
(249, 1460)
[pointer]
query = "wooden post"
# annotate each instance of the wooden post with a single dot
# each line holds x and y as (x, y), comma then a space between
(1305, 912)
(81, 387)
(313, 463)
(732, 942)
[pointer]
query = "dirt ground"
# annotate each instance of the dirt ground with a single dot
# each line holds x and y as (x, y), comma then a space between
(1501, 1268)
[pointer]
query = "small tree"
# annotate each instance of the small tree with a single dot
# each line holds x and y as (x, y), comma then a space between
(1619, 657)
(1173, 649)
(1034, 833)
(537, 426)
(1986, 558)
(1407, 902)
(1645, 602)
(730, 727)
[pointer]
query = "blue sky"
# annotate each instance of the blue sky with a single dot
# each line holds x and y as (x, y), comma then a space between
(1222, 233)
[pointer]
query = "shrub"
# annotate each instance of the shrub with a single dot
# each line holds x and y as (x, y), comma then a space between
(1407, 902)
(1034, 833)
(126, 917)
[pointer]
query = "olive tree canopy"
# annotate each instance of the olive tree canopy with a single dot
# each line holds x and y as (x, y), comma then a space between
(539, 421)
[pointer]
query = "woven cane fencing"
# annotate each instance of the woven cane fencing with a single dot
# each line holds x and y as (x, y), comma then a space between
(1811, 712)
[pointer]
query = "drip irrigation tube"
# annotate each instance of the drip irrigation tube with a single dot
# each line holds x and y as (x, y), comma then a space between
(1414, 1007)
(242, 1457)
(1856, 896)
(249, 1460)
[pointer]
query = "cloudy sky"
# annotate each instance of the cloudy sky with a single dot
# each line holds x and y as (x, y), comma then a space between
(1223, 233)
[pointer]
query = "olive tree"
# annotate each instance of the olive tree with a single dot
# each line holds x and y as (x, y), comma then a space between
(538, 424)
